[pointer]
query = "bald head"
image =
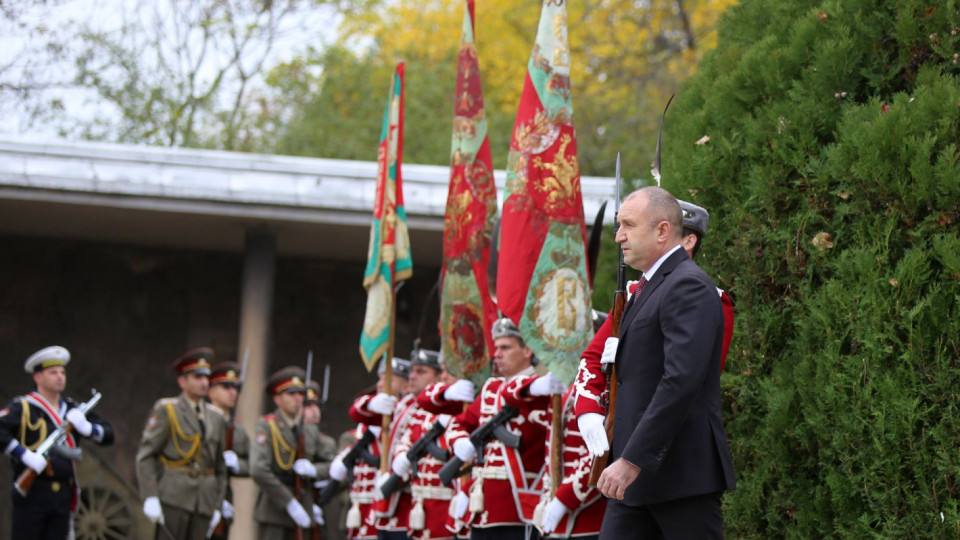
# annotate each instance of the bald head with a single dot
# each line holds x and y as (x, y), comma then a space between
(661, 206)
(650, 225)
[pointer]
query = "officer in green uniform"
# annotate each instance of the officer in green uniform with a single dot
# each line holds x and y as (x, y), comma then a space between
(224, 388)
(180, 464)
(46, 510)
(274, 464)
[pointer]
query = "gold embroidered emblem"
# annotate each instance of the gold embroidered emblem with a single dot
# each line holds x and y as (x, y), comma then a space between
(564, 184)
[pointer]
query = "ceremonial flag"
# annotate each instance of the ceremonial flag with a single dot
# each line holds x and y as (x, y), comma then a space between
(542, 277)
(467, 310)
(388, 257)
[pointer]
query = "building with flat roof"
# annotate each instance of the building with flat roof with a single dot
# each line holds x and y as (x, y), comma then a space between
(129, 255)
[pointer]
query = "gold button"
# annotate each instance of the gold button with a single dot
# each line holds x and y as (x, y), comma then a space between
(55, 486)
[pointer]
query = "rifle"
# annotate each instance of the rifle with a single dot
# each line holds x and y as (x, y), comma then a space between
(619, 302)
(298, 483)
(221, 528)
(54, 443)
(358, 451)
(493, 428)
(426, 444)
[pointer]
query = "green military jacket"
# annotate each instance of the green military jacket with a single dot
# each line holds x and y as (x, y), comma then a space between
(271, 466)
(241, 445)
(177, 464)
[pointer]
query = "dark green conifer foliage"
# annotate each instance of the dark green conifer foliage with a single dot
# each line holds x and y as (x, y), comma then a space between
(832, 175)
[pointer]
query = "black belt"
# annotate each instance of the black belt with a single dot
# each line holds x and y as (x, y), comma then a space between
(54, 484)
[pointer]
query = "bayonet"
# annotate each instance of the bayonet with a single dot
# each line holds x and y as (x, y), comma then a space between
(656, 155)
(243, 367)
(326, 385)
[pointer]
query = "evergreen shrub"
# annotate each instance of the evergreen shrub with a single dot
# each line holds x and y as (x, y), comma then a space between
(832, 174)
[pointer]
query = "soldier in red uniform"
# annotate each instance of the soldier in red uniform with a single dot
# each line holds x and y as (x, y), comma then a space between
(576, 509)
(389, 517)
(359, 520)
(430, 498)
(507, 485)
(591, 382)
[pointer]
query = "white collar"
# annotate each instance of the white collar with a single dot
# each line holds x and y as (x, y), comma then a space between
(656, 266)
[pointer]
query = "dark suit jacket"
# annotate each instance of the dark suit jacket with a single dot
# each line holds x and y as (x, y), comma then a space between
(668, 417)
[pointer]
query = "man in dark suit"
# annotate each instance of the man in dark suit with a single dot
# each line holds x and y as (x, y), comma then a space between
(669, 456)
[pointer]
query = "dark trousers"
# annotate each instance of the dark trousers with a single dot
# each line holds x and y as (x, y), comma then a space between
(690, 518)
(181, 524)
(506, 532)
(44, 514)
(392, 535)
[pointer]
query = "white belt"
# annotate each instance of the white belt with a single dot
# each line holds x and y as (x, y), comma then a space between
(432, 492)
(361, 498)
(493, 473)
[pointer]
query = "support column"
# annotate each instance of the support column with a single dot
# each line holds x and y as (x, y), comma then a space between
(256, 313)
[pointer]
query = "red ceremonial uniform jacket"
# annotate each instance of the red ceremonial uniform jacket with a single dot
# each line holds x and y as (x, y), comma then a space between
(392, 514)
(432, 400)
(510, 479)
(361, 490)
(429, 495)
(591, 383)
(585, 504)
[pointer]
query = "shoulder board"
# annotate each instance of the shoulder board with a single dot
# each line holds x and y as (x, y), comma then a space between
(213, 408)
(163, 402)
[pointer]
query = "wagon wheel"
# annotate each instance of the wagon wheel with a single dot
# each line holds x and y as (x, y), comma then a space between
(102, 515)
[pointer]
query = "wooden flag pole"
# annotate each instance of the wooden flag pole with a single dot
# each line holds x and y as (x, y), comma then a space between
(388, 386)
(556, 444)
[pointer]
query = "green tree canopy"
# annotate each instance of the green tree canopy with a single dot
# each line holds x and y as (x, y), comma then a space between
(620, 78)
(831, 174)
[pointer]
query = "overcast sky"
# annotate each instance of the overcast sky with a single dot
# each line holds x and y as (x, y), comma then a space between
(24, 48)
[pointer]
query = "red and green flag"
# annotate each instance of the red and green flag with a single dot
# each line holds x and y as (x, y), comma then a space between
(388, 257)
(542, 277)
(467, 310)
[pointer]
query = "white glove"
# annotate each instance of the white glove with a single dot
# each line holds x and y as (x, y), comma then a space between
(338, 471)
(232, 461)
(552, 515)
(463, 449)
(33, 460)
(303, 467)
(298, 514)
(546, 386)
(151, 509)
(593, 433)
(461, 390)
(226, 509)
(213, 523)
(80, 423)
(401, 465)
(318, 515)
(382, 403)
(444, 419)
(609, 354)
(460, 502)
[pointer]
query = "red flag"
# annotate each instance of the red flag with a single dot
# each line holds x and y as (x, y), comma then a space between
(542, 278)
(467, 310)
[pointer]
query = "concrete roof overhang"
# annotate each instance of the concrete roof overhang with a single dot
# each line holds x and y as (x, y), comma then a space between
(205, 200)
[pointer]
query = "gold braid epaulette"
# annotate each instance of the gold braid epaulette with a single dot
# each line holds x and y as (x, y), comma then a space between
(25, 424)
(278, 442)
(176, 433)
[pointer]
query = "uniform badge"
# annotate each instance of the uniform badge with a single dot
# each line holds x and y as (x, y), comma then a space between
(4, 412)
(261, 438)
(152, 421)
